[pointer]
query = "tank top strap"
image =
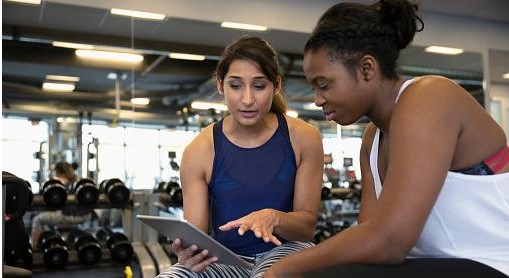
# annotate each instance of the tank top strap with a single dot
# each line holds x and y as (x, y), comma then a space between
(403, 87)
(283, 126)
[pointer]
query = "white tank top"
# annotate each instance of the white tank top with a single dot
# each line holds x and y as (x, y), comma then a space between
(470, 218)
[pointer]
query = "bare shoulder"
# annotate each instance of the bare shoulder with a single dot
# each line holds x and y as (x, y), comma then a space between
(438, 87)
(201, 146)
(302, 131)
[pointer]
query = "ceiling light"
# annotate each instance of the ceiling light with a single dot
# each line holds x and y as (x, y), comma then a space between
(137, 14)
(311, 106)
(140, 101)
(443, 50)
(72, 45)
(243, 26)
(505, 75)
(292, 113)
(34, 2)
(107, 55)
(62, 78)
(184, 56)
(60, 87)
(205, 105)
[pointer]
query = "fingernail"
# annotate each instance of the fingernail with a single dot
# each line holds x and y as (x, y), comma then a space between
(205, 252)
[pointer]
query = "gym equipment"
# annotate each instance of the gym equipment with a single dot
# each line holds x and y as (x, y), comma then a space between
(86, 192)
(54, 193)
(56, 254)
(87, 246)
(174, 195)
(17, 248)
(116, 191)
(118, 244)
(18, 196)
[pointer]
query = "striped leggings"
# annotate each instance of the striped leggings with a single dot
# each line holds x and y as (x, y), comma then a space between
(220, 270)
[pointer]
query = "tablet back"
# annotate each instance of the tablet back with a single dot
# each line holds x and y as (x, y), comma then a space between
(174, 228)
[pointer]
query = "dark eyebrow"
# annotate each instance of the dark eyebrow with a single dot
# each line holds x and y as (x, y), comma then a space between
(316, 79)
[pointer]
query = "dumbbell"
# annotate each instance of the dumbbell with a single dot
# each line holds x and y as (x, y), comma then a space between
(174, 191)
(54, 193)
(326, 193)
(17, 248)
(87, 246)
(56, 254)
(116, 191)
(86, 192)
(18, 196)
(118, 244)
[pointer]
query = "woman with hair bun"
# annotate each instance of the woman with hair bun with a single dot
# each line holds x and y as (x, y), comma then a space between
(435, 181)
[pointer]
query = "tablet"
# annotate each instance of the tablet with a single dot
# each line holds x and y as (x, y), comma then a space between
(189, 234)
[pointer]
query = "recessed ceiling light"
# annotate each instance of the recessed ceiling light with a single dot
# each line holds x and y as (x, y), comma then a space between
(184, 56)
(60, 87)
(62, 78)
(72, 45)
(443, 50)
(505, 75)
(140, 101)
(107, 55)
(138, 14)
(243, 26)
(33, 2)
(205, 105)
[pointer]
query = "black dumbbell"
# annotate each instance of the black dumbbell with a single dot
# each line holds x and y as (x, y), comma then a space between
(116, 191)
(173, 192)
(54, 193)
(17, 248)
(118, 244)
(87, 246)
(86, 192)
(56, 254)
(326, 193)
(18, 196)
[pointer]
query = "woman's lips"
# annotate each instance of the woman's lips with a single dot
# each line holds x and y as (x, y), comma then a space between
(329, 115)
(248, 114)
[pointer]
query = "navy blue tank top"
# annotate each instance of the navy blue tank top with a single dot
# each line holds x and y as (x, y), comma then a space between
(250, 179)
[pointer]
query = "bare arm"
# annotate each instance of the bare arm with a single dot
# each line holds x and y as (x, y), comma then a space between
(300, 223)
(196, 161)
(368, 199)
(195, 166)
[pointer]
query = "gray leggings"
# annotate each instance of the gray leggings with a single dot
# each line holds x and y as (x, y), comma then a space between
(220, 270)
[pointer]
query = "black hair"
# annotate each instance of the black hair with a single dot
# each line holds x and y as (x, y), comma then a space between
(351, 30)
(259, 51)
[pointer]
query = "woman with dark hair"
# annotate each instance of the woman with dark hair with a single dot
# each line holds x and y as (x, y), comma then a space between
(435, 181)
(257, 173)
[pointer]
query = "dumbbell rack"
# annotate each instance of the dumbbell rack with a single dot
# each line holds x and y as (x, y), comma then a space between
(337, 212)
(142, 265)
(102, 203)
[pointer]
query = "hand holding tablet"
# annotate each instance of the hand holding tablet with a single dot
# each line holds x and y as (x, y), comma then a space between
(188, 235)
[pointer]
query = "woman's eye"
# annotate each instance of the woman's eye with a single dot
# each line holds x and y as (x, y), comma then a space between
(260, 86)
(234, 86)
(323, 86)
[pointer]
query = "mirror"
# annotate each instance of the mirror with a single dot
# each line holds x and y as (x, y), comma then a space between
(498, 86)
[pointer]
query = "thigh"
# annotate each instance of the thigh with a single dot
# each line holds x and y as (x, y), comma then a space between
(415, 268)
(276, 254)
(212, 271)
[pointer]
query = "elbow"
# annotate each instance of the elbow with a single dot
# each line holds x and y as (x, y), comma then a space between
(393, 250)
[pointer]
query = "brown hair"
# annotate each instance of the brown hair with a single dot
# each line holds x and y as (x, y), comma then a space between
(259, 51)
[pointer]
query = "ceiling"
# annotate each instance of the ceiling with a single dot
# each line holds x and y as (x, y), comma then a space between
(28, 56)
